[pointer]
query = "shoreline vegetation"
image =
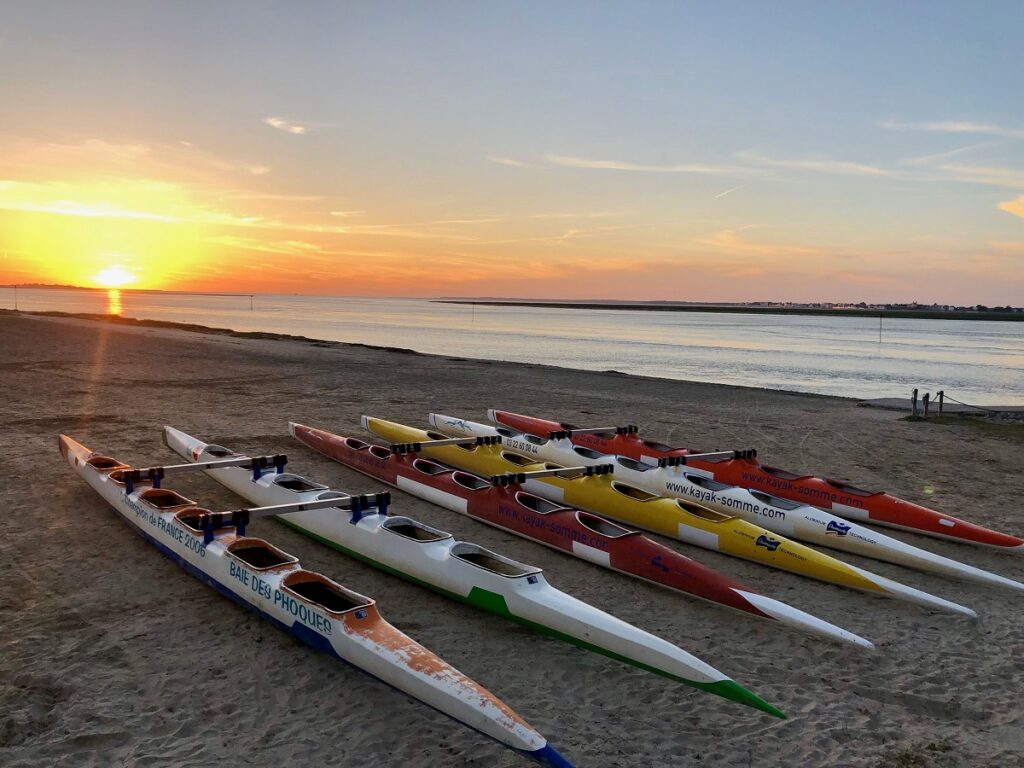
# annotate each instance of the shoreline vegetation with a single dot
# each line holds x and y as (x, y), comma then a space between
(753, 309)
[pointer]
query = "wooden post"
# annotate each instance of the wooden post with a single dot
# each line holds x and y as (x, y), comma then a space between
(913, 404)
(926, 399)
(942, 396)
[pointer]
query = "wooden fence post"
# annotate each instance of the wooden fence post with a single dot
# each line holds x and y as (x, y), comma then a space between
(913, 404)
(942, 396)
(926, 400)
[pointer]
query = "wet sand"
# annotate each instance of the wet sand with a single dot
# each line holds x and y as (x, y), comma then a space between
(111, 655)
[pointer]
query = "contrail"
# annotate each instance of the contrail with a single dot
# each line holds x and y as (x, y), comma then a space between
(728, 191)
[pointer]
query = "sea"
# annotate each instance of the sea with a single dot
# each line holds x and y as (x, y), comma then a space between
(976, 362)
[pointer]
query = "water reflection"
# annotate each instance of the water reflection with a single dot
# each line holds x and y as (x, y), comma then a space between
(113, 302)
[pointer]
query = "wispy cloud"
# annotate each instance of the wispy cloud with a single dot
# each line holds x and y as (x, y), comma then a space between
(818, 165)
(346, 214)
(507, 161)
(940, 157)
(1016, 207)
(625, 165)
(730, 241)
(287, 126)
(955, 126)
(729, 191)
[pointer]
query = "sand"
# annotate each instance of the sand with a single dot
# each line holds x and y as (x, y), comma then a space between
(111, 655)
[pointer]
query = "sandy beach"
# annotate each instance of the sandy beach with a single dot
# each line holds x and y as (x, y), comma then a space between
(111, 655)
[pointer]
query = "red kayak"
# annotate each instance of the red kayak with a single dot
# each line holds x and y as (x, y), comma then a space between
(742, 469)
(575, 532)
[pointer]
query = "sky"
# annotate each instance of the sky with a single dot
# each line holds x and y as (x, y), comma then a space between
(712, 151)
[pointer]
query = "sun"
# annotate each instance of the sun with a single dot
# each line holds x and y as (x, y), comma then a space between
(114, 276)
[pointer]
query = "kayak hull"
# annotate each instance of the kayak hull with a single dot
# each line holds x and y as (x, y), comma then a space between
(843, 499)
(360, 636)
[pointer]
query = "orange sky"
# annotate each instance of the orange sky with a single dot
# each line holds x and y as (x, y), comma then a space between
(337, 153)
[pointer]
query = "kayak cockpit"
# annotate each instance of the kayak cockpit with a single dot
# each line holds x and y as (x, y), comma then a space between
(379, 451)
(355, 445)
(706, 482)
(587, 453)
(219, 451)
(633, 464)
(602, 527)
(260, 555)
(428, 467)
(774, 501)
(328, 595)
(698, 510)
(164, 499)
(296, 483)
(470, 482)
(413, 529)
(847, 488)
(192, 519)
(514, 458)
(537, 504)
(781, 473)
(491, 561)
(654, 445)
(105, 464)
(632, 492)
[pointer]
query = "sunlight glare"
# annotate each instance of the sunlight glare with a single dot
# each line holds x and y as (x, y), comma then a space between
(114, 276)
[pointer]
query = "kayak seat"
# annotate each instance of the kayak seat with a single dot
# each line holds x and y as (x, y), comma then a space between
(633, 464)
(162, 498)
(355, 445)
(706, 482)
(219, 451)
(599, 525)
(587, 452)
(105, 463)
(259, 555)
(323, 593)
(429, 467)
(380, 451)
(774, 501)
(537, 504)
(297, 483)
(519, 461)
(533, 439)
(702, 512)
(192, 518)
(470, 482)
(781, 473)
(655, 445)
(633, 492)
(490, 561)
(847, 488)
(413, 529)
(117, 475)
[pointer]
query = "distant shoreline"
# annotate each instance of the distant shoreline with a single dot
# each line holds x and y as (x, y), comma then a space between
(919, 314)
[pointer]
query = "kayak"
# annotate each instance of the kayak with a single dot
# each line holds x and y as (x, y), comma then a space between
(745, 471)
(463, 571)
(789, 518)
(317, 610)
(572, 531)
(689, 522)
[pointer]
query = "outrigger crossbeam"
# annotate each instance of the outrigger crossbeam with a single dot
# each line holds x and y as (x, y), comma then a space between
(629, 429)
(155, 474)
(404, 448)
(675, 461)
(240, 518)
(518, 478)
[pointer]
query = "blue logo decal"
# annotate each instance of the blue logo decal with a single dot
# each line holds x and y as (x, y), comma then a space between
(839, 529)
(770, 544)
(656, 562)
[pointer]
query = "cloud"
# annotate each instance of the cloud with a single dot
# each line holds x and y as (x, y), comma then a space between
(285, 125)
(1015, 207)
(347, 213)
(623, 165)
(839, 167)
(508, 161)
(955, 126)
(258, 170)
(729, 240)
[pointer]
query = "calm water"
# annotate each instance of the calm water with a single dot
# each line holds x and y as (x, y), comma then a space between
(977, 362)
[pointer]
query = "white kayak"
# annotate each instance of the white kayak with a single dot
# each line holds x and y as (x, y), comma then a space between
(788, 518)
(463, 571)
(320, 612)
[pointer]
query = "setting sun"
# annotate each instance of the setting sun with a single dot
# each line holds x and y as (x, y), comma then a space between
(114, 276)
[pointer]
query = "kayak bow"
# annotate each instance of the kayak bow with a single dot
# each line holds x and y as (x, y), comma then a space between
(317, 610)
(844, 499)
(789, 518)
(686, 521)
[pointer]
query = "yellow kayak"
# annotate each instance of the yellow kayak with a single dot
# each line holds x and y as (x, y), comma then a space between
(677, 518)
